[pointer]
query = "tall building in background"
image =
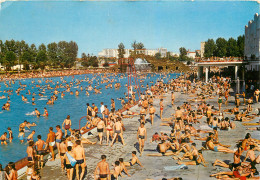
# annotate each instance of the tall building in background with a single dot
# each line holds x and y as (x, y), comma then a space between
(202, 49)
(252, 43)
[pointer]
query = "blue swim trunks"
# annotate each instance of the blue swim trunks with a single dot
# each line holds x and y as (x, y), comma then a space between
(216, 148)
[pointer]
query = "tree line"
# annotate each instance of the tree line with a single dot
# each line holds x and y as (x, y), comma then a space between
(57, 55)
(225, 48)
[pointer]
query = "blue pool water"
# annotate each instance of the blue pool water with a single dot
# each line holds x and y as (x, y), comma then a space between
(69, 105)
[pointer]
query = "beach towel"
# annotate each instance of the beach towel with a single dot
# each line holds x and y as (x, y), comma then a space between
(71, 159)
(173, 168)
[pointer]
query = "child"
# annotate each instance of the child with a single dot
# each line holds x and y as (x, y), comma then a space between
(21, 136)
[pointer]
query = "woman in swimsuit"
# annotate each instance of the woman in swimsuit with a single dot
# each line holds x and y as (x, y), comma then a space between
(109, 130)
(219, 102)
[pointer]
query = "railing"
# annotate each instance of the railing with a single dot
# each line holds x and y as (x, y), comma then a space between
(218, 59)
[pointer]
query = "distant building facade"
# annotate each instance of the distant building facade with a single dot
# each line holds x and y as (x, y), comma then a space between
(191, 54)
(202, 49)
(108, 53)
(252, 43)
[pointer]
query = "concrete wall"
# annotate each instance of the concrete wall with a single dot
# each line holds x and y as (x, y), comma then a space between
(252, 43)
(252, 37)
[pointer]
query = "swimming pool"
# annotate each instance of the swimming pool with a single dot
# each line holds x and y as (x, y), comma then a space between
(72, 105)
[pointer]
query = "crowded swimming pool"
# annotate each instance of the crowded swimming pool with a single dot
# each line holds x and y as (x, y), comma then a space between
(72, 105)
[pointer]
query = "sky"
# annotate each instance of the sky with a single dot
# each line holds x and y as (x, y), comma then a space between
(96, 25)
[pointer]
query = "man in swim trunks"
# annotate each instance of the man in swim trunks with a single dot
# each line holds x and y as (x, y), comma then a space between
(68, 166)
(217, 148)
(79, 155)
(172, 97)
(30, 152)
(116, 171)
(113, 105)
(142, 115)
(161, 108)
(118, 131)
(178, 114)
(63, 149)
(196, 160)
(30, 137)
(256, 93)
(134, 160)
(141, 136)
(151, 112)
(40, 150)
(23, 125)
(3, 138)
(100, 130)
(58, 135)
(145, 105)
(122, 167)
(103, 168)
(37, 113)
(51, 142)
(66, 124)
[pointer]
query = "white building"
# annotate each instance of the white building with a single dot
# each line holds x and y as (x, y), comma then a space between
(191, 54)
(252, 43)
(163, 52)
(150, 52)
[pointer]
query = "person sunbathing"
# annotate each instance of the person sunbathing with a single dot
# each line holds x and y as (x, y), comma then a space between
(162, 148)
(196, 160)
(218, 148)
(239, 172)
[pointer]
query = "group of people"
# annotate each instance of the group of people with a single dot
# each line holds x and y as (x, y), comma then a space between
(185, 124)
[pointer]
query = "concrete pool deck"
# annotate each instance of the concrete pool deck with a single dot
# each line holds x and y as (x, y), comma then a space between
(154, 166)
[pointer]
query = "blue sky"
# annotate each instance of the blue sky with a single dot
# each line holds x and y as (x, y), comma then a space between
(97, 25)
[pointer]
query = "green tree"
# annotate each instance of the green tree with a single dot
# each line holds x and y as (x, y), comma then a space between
(41, 59)
(197, 54)
(72, 52)
(158, 56)
(42, 47)
(33, 51)
(11, 46)
(121, 50)
(52, 53)
(26, 59)
(9, 60)
(210, 48)
(221, 47)
(232, 48)
(84, 60)
(134, 45)
(93, 61)
(183, 53)
(2, 52)
(140, 45)
(240, 45)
